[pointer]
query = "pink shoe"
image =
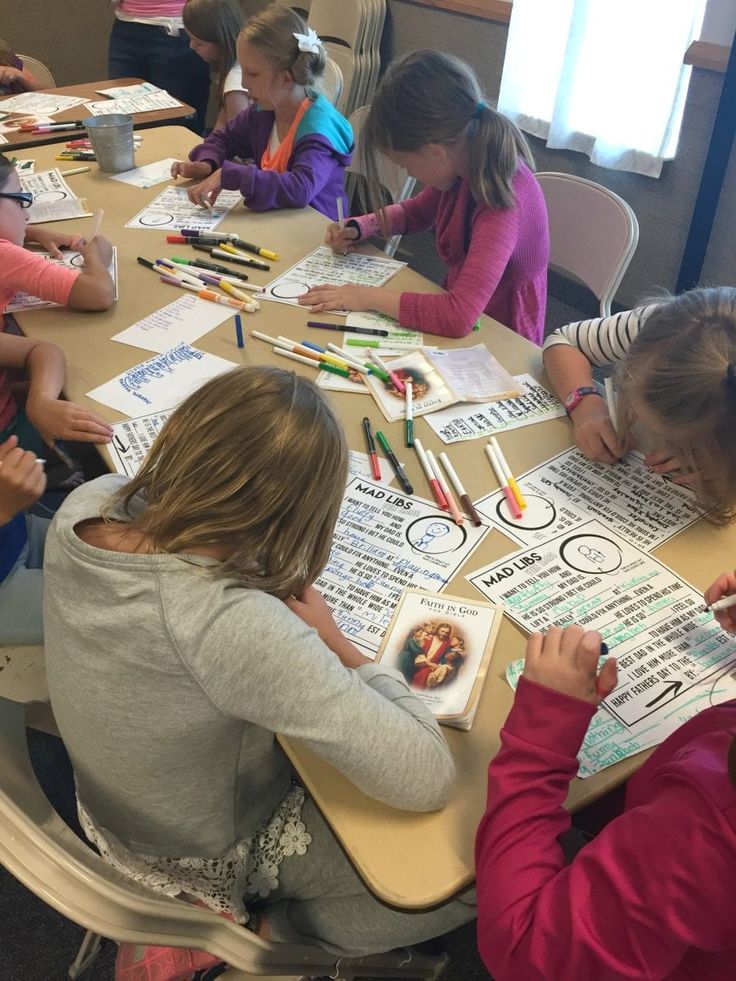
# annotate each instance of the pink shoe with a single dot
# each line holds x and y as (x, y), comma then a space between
(137, 963)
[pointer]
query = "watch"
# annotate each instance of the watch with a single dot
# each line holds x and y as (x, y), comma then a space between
(573, 399)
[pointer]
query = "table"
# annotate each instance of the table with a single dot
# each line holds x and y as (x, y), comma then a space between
(410, 861)
(88, 92)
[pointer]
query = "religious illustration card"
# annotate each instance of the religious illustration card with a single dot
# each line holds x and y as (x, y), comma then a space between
(442, 645)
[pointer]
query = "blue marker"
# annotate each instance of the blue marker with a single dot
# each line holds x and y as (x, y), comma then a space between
(314, 347)
(239, 330)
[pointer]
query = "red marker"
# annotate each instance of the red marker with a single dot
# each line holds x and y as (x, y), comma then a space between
(371, 444)
(434, 484)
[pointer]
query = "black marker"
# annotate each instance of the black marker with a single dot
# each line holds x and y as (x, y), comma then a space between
(397, 468)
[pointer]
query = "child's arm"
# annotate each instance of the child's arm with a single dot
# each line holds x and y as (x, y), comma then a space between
(416, 214)
(230, 141)
(233, 103)
(27, 81)
(22, 479)
(89, 288)
(94, 288)
(45, 367)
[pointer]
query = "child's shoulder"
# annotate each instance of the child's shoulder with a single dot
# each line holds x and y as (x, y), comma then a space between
(322, 119)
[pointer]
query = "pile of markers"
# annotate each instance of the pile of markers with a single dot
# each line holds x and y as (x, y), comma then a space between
(201, 280)
(224, 245)
(332, 359)
(82, 149)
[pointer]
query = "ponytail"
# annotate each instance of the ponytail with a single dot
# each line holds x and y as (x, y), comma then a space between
(496, 145)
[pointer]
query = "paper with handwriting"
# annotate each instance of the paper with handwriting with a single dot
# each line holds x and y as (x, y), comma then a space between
(53, 199)
(172, 210)
(132, 104)
(39, 102)
(180, 322)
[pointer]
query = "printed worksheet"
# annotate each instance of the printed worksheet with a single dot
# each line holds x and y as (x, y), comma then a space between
(668, 647)
(399, 340)
(122, 91)
(53, 199)
(148, 175)
(173, 210)
(643, 507)
(74, 260)
(39, 102)
(468, 421)
(132, 104)
(180, 322)
(132, 439)
(160, 382)
(385, 542)
(323, 266)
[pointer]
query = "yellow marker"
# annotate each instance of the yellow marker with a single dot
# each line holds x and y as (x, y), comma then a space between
(234, 291)
(514, 487)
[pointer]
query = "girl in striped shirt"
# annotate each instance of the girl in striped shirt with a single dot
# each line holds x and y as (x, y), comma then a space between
(675, 375)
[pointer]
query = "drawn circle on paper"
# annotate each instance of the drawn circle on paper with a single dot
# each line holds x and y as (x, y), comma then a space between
(592, 554)
(435, 535)
(539, 513)
(290, 289)
(77, 261)
(49, 197)
(156, 219)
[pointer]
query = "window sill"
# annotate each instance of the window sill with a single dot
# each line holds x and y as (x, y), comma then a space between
(498, 10)
(704, 54)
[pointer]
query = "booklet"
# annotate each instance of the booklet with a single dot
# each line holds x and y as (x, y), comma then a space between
(443, 377)
(442, 645)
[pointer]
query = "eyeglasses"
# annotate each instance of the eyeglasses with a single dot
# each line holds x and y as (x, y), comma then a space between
(24, 198)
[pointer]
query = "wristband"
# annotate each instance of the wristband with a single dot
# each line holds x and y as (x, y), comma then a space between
(352, 223)
(573, 399)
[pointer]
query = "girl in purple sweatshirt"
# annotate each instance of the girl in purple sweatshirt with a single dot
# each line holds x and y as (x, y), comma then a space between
(480, 196)
(297, 144)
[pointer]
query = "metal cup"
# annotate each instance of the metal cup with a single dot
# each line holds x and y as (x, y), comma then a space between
(111, 136)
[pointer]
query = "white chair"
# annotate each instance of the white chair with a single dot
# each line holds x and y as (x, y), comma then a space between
(38, 848)
(593, 233)
(343, 58)
(394, 179)
(332, 82)
(37, 68)
(338, 20)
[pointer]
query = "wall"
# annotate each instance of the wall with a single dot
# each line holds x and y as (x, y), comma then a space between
(663, 206)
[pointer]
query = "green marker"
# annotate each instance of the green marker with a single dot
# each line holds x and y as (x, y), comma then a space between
(326, 366)
(357, 342)
(476, 325)
(409, 395)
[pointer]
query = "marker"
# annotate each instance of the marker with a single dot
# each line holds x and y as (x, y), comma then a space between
(325, 326)
(460, 491)
(364, 369)
(164, 267)
(370, 443)
(218, 253)
(39, 460)
(451, 502)
(75, 170)
(51, 127)
(320, 355)
(409, 414)
(725, 603)
(501, 478)
(239, 330)
(322, 365)
(395, 465)
(429, 474)
(227, 247)
(233, 238)
(96, 228)
(611, 400)
(211, 267)
(393, 377)
(205, 268)
(76, 156)
(510, 480)
(340, 212)
(206, 294)
(370, 331)
(229, 288)
(277, 342)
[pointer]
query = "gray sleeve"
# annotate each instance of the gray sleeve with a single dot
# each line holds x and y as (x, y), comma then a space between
(257, 661)
(603, 340)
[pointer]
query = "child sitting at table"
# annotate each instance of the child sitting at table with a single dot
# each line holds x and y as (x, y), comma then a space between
(652, 895)
(88, 288)
(213, 27)
(480, 196)
(14, 76)
(299, 143)
(183, 631)
(675, 362)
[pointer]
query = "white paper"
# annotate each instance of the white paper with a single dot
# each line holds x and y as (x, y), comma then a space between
(132, 439)
(39, 102)
(399, 340)
(384, 542)
(172, 210)
(122, 91)
(148, 175)
(323, 266)
(180, 322)
(53, 199)
(359, 465)
(472, 421)
(132, 104)
(472, 373)
(564, 492)
(161, 382)
(73, 260)
(25, 166)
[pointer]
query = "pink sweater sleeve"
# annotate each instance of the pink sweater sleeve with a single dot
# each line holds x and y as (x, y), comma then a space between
(417, 214)
(21, 270)
(632, 901)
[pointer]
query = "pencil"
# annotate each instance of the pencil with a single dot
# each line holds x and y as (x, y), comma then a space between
(507, 473)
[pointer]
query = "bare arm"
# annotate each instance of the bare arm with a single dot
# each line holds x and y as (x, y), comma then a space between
(93, 289)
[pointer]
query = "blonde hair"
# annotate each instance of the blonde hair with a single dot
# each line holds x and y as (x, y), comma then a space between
(431, 97)
(682, 367)
(254, 462)
(218, 22)
(272, 32)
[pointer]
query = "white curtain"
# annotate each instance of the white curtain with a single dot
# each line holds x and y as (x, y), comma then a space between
(601, 76)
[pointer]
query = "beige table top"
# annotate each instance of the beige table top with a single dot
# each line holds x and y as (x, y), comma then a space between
(88, 92)
(408, 860)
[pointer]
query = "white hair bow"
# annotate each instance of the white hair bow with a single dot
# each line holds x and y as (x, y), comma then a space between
(309, 41)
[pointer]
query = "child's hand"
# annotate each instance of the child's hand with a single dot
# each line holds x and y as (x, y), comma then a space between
(22, 480)
(196, 169)
(724, 585)
(206, 193)
(594, 432)
(9, 75)
(99, 247)
(314, 611)
(340, 239)
(58, 419)
(663, 462)
(567, 661)
(53, 241)
(329, 297)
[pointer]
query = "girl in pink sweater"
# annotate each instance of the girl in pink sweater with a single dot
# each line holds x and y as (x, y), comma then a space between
(480, 196)
(651, 897)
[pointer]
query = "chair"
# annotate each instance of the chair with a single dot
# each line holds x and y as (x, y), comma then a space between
(343, 58)
(332, 81)
(38, 69)
(38, 848)
(395, 181)
(593, 233)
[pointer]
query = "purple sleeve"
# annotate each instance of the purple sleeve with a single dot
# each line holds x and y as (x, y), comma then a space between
(312, 165)
(234, 139)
